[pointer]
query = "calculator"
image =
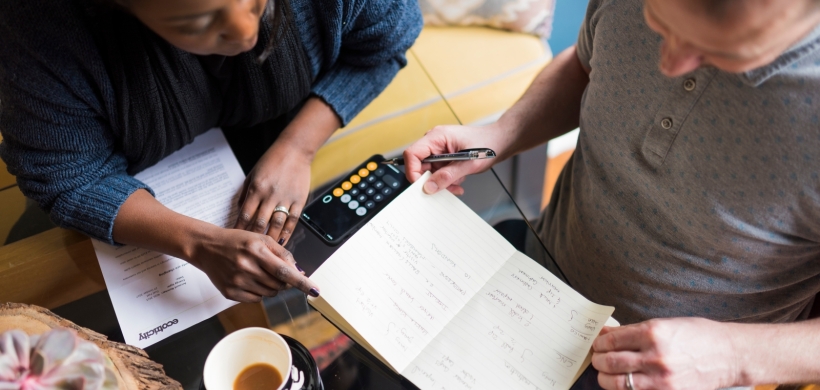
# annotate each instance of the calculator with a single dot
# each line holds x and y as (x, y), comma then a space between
(350, 203)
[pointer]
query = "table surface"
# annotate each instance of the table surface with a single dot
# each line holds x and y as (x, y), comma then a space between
(344, 364)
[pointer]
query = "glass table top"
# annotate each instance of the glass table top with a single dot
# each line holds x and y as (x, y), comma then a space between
(343, 364)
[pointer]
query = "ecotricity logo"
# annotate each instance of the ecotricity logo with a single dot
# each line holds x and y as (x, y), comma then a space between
(146, 335)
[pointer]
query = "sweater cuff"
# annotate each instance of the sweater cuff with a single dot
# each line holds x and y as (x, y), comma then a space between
(349, 89)
(92, 209)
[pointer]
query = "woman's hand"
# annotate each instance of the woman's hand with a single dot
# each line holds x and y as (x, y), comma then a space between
(674, 353)
(450, 139)
(281, 178)
(247, 266)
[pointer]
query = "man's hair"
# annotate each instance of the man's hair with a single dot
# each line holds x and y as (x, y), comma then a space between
(718, 9)
(278, 12)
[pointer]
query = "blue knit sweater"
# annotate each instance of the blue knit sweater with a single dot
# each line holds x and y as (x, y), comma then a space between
(56, 97)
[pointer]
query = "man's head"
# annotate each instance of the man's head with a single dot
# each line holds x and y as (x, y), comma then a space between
(732, 35)
(204, 27)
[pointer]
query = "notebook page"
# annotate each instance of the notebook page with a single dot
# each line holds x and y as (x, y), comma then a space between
(525, 329)
(401, 278)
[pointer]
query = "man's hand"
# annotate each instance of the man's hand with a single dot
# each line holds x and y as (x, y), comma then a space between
(676, 353)
(247, 266)
(450, 139)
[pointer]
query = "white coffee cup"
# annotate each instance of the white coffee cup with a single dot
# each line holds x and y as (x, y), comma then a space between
(242, 349)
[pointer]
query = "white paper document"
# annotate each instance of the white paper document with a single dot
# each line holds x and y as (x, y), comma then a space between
(442, 298)
(157, 295)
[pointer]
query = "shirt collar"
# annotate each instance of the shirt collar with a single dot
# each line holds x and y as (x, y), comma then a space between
(806, 46)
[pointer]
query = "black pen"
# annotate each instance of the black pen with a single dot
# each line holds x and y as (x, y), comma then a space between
(461, 155)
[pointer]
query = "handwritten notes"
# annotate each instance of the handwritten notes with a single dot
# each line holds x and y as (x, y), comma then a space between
(508, 329)
(448, 303)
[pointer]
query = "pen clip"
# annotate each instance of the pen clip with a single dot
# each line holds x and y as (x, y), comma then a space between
(479, 152)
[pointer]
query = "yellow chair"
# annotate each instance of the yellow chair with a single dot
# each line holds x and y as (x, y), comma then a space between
(480, 71)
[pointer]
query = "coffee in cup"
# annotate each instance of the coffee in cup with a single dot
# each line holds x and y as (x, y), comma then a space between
(248, 359)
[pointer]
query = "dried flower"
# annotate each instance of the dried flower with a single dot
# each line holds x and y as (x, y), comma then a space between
(57, 359)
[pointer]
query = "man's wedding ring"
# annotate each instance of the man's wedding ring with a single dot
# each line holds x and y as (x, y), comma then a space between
(629, 384)
(282, 209)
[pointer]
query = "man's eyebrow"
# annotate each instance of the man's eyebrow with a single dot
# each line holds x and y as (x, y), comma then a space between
(188, 17)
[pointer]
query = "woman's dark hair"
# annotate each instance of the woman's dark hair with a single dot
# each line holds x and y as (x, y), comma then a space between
(278, 12)
(280, 15)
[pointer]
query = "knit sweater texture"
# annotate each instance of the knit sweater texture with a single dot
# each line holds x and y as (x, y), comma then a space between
(59, 108)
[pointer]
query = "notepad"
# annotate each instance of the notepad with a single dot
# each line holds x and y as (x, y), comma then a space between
(440, 297)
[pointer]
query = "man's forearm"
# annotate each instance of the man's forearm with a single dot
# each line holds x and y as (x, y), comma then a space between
(551, 105)
(777, 353)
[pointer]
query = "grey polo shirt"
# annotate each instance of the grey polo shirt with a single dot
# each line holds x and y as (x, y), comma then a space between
(690, 196)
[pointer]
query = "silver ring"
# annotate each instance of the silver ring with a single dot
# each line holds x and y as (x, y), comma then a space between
(282, 209)
(629, 384)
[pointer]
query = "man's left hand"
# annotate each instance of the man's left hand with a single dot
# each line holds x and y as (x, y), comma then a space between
(674, 353)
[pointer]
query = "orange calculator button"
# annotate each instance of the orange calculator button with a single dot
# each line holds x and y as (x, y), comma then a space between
(337, 192)
(363, 172)
(346, 185)
(372, 166)
(355, 179)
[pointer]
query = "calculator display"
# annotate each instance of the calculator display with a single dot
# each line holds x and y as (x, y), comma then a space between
(354, 200)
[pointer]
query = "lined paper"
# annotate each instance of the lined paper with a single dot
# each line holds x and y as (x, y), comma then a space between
(405, 275)
(446, 301)
(524, 329)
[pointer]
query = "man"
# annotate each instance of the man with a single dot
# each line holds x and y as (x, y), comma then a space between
(692, 201)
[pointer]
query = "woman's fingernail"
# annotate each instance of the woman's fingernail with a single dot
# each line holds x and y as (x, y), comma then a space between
(281, 241)
(298, 267)
(314, 293)
(430, 187)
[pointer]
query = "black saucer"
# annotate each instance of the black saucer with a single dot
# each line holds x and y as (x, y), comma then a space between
(304, 374)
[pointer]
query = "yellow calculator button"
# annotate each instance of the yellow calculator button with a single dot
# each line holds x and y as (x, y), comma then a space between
(346, 185)
(372, 166)
(337, 192)
(363, 172)
(355, 179)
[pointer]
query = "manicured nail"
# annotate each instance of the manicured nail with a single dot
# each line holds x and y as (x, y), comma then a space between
(314, 293)
(281, 241)
(298, 267)
(430, 187)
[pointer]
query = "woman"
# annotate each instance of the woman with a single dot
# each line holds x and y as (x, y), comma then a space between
(92, 93)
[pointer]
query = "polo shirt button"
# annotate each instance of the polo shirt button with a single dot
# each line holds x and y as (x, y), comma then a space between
(689, 84)
(666, 123)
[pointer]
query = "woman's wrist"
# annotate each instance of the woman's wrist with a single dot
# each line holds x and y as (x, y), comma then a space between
(199, 235)
(294, 149)
(309, 130)
(143, 221)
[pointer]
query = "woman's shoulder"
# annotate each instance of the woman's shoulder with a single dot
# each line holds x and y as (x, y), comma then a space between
(46, 31)
(49, 52)
(40, 20)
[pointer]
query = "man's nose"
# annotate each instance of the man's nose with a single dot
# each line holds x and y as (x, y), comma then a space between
(678, 57)
(241, 25)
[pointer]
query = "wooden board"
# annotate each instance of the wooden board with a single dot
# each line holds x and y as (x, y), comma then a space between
(134, 370)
